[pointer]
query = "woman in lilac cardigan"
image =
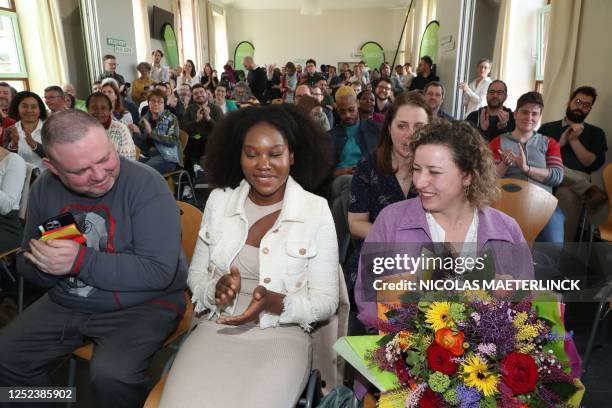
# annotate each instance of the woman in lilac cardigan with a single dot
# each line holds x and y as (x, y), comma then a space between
(454, 175)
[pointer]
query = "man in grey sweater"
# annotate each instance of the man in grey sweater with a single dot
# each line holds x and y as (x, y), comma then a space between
(123, 290)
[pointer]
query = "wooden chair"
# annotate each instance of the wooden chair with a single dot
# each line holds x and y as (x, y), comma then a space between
(605, 233)
(191, 217)
(530, 205)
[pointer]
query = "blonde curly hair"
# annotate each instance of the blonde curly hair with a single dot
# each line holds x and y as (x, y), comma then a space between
(470, 153)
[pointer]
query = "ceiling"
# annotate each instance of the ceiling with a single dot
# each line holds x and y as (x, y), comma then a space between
(325, 4)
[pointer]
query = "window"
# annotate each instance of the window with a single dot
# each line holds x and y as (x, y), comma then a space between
(12, 63)
(543, 21)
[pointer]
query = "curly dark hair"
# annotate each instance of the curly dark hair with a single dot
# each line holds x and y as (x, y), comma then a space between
(309, 145)
(13, 112)
(470, 153)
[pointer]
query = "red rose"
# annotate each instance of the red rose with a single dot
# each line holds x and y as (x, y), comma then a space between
(519, 372)
(430, 399)
(439, 359)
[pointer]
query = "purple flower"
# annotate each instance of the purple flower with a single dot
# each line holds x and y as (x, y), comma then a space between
(494, 326)
(468, 397)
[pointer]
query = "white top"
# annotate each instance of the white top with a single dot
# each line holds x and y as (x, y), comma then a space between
(183, 80)
(24, 149)
(297, 257)
(222, 107)
(439, 235)
(160, 74)
(12, 177)
(476, 97)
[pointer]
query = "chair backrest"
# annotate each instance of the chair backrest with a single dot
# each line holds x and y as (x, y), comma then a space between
(530, 205)
(137, 150)
(605, 229)
(184, 138)
(191, 217)
(607, 180)
(25, 191)
(324, 358)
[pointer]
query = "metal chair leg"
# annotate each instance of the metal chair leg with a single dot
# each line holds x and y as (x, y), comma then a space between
(72, 367)
(596, 322)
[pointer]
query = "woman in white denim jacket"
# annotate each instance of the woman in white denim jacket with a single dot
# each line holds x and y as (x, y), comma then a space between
(267, 253)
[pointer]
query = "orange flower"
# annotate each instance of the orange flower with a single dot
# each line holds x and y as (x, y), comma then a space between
(450, 340)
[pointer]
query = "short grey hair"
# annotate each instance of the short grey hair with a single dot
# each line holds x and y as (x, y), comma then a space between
(67, 127)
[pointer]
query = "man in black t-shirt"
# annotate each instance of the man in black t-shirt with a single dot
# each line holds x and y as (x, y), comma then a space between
(583, 149)
(256, 78)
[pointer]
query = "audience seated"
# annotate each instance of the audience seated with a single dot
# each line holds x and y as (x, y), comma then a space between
(384, 94)
(99, 106)
(120, 113)
(24, 136)
(493, 119)
(454, 176)
(529, 155)
(434, 95)
(383, 177)
(284, 276)
(366, 101)
(158, 135)
(208, 78)
(55, 99)
(141, 85)
(12, 177)
(583, 149)
(189, 75)
(312, 107)
(6, 96)
(70, 91)
(220, 101)
(474, 93)
(124, 288)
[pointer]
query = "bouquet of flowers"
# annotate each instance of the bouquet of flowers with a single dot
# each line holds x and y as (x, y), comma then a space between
(473, 351)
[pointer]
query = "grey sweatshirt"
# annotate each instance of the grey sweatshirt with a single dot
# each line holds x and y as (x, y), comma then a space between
(133, 252)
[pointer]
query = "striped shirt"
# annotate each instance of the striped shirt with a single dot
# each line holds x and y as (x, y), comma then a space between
(541, 151)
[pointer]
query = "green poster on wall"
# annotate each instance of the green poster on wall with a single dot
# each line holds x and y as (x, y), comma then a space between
(429, 42)
(372, 54)
(243, 49)
(170, 45)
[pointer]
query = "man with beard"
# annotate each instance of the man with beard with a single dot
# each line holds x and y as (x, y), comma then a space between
(424, 74)
(493, 119)
(383, 92)
(256, 78)
(583, 149)
(198, 121)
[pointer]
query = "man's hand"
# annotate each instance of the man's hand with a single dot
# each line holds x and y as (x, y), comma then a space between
(503, 119)
(575, 130)
(227, 287)
(340, 172)
(263, 300)
(147, 126)
(484, 119)
(54, 257)
(203, 113)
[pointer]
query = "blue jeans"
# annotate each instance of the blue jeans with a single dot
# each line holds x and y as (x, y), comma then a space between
(161, 165)
(554, 230)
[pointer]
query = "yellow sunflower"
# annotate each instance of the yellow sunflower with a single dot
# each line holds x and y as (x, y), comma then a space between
(477, 375)
(438, 316)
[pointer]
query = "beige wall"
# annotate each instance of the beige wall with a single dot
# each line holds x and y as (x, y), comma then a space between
(285, 35)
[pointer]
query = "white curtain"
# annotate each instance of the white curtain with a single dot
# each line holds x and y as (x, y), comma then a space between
(43, 43)
(500, 54)
(560, 56)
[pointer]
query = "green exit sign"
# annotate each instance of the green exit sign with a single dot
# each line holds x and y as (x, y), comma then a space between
(115, 41)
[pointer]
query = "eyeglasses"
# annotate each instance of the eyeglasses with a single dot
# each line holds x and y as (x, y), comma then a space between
(494, 92)
(583, 104)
